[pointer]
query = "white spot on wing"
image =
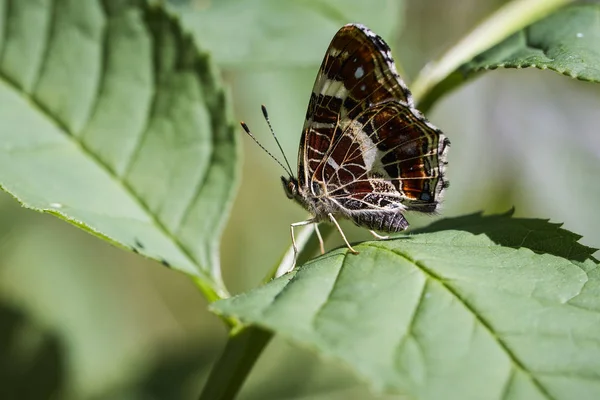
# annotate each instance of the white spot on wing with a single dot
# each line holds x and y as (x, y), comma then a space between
(335, 89)
(332, 162)
(367, 147)
(321, 125)
(359, 73)
(333, 52)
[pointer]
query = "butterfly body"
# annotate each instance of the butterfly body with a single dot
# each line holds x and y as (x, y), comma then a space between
(317, 202)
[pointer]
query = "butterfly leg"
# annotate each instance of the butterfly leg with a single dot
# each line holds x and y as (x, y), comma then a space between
(292, 226)
(378, 236)
(320, 237)
(330, 215)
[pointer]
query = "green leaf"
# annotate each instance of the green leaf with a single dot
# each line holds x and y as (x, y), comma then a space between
(538, 235)
(112, 120)
(469, 312)
(567, 41)
(272, 34)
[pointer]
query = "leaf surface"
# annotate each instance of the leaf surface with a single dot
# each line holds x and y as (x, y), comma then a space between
(567, 42)
(112, 120)
(469, 312)
(270, 34)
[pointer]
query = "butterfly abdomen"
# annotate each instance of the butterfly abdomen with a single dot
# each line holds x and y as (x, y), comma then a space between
(385, 222)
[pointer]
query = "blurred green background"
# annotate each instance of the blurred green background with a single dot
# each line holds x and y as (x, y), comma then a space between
(85, 320)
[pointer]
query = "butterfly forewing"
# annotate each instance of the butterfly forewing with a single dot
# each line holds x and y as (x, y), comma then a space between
(357, 71)
(363, 140)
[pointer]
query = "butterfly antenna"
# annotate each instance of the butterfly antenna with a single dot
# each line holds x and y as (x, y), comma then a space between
(266, 115)
(261, 146)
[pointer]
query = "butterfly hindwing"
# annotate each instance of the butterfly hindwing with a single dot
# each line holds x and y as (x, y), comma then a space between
(399, 152)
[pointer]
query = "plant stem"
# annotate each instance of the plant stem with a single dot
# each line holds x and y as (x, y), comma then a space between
(508, 20)
(227, 376)
(210, 291)
(246, 343)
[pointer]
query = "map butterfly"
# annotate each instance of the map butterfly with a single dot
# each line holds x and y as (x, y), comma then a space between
(366, 153)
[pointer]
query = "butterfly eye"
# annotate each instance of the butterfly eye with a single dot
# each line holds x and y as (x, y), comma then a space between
(290, 187)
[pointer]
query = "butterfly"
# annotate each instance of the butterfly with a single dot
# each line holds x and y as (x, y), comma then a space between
(366, 153)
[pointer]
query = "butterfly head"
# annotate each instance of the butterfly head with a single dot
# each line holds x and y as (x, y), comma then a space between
(290, 186)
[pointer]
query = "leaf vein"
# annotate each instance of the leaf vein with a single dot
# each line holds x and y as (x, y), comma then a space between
(485, 324)
(337, 277)
(506, 388)
(53, 15)
(7, 10)
(411, 323)
(154, 220)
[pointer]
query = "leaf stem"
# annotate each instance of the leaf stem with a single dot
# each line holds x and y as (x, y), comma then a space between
(227, 376)
(246, 343)
(210, 291)
(508, 20)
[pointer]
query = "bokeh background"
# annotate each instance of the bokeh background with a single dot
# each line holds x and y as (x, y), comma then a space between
(97, 322)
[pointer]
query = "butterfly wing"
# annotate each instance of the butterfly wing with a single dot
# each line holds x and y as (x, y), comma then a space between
(357, 70)
(364, 141)
(390, 160)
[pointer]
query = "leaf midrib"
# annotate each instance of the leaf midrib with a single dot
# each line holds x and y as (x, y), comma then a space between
(42, 109)
(430, 275)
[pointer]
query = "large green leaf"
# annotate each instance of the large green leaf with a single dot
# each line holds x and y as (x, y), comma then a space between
(269, 34)
(567, 41)
(111, 119)
(491, 307)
